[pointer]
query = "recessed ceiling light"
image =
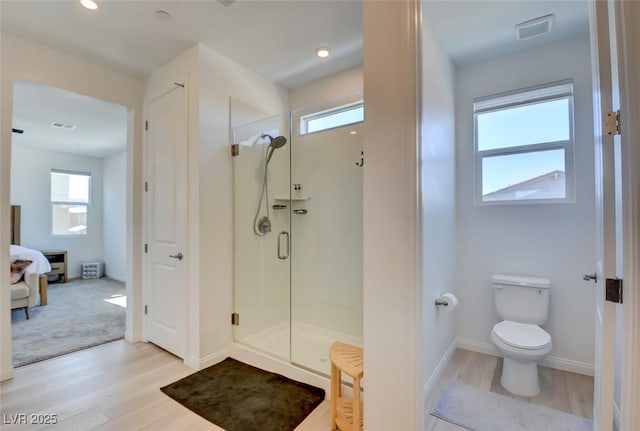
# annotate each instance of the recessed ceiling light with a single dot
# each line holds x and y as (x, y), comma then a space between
(89, 4)
(353, 132)
(163, 14)
(322, 52)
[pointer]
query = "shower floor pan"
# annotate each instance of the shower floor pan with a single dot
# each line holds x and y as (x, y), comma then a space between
(309, 344)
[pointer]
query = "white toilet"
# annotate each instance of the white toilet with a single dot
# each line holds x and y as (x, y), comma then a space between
(522, 304)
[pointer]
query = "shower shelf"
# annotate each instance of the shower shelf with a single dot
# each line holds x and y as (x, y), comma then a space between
(293, 199)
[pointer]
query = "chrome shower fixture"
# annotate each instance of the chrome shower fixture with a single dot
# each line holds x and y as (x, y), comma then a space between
(262, 225)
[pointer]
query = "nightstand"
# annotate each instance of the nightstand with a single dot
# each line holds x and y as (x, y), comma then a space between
(58, 261)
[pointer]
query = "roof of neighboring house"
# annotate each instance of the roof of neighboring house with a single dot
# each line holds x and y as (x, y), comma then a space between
(527, 183)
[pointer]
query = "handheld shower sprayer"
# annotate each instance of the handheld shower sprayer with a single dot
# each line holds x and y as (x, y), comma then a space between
(262, 225)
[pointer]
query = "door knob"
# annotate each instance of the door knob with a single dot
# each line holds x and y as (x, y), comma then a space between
(178, 256)
(591, 277)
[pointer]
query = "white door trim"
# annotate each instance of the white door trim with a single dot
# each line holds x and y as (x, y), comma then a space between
(627, 18)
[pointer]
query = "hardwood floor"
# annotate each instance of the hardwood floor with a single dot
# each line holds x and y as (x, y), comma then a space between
(116, 387)
(110, 387)
(559, 390)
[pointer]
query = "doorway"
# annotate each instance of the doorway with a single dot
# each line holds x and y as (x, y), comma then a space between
(68, 177)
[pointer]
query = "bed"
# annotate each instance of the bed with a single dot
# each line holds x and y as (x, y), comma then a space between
(39, 266)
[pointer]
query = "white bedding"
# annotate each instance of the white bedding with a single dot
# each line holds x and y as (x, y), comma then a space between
(39, 265)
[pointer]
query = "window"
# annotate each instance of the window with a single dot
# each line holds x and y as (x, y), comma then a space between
(524, 145)
(331, 118)
(70, 193)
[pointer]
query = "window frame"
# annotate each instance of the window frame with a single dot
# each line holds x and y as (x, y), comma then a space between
(567, 145)
(52, 202)
(305, 119)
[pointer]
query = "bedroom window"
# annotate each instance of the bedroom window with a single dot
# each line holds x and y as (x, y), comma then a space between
(70, 199)
(524, 146)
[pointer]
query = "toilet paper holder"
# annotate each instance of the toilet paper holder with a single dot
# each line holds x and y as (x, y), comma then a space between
(447, 300)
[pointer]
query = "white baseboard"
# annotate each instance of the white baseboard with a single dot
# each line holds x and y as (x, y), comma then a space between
(442, 365)
(550, 361)
(616, 417)
(207, 361)
(6, 374)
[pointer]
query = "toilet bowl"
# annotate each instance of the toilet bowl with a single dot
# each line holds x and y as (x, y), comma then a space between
(521, 345)
(522, 304)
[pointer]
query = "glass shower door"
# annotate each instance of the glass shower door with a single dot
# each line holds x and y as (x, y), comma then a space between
(261, 181)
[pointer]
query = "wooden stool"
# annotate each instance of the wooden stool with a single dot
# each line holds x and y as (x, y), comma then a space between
(346, 413)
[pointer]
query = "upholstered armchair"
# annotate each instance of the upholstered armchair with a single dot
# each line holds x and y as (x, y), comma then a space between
(25, 294)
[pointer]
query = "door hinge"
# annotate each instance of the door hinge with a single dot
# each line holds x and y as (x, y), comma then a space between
(146, 186)
(146, 125)
(611, 123)
(235, 319)
(146, 248)
(235, 150)
(613, 290)
(146, 310)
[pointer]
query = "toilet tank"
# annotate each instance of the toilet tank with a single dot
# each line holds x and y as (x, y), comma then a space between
(521, 299)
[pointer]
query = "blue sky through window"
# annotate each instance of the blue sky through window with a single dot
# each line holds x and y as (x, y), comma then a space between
(517, 126)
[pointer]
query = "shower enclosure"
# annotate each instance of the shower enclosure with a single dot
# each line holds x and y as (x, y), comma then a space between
(298, 236)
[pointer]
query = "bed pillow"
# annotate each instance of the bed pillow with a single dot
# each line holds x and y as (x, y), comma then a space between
(18, 266)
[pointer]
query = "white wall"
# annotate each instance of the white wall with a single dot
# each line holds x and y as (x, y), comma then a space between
(438, 180)
(28, 61)
(337, 85)
(326, 266)
(554, 240)
(30, 188)
(393, 337)
(115, 215)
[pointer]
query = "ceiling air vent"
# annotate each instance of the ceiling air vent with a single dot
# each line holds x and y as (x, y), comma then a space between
(227, 3)
(63, 126)
(534, 27)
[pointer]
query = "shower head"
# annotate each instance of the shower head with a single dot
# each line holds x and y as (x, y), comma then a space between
(277, 142)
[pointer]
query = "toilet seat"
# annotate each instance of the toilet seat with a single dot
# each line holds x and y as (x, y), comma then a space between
(522, 335)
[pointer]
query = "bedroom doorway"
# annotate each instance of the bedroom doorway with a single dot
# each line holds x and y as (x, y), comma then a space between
(69, 181)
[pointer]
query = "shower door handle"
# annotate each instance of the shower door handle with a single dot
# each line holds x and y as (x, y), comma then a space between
(280, 235)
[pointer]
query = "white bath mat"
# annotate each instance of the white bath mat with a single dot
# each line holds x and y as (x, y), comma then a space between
(480, 410)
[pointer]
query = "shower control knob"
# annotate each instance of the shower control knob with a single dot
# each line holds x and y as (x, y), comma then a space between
(591, 277)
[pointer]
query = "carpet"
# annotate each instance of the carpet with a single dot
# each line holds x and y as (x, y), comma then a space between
(239, 397)
(480, 410)
(76, 317)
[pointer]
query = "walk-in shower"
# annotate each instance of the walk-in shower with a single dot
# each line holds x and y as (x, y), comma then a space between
(298, 254)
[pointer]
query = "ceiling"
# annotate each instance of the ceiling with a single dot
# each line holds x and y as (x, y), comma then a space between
(100, 127)
(472, 31)
(274, 38)
(277, 39)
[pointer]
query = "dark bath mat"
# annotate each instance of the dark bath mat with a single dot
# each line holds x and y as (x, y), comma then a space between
(239, 397)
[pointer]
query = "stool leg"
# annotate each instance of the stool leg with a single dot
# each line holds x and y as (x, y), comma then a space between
(335, 393)
(356, 405)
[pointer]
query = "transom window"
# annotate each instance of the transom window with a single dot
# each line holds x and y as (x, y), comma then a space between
(70, 199)
(524, 145)
(332, 118)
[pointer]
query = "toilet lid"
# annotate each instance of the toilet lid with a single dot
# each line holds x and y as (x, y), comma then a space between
(522, 335)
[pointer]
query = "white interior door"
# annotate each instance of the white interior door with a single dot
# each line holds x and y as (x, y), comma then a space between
(608, 221)
(165, 217)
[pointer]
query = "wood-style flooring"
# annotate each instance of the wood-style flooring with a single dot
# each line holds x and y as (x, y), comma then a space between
(116, 387)
(559, 390)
